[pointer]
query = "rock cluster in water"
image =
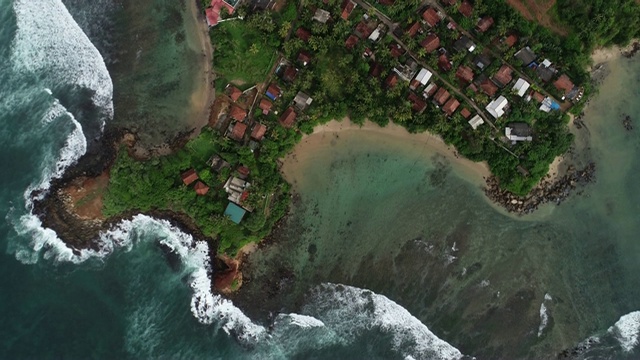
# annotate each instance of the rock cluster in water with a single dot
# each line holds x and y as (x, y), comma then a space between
(555, 191)
(632, 50)
(626, 122)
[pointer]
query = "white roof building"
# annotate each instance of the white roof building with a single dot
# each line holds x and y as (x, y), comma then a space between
(476, 121)
(496, 107)
(423, 76)
(521, 87)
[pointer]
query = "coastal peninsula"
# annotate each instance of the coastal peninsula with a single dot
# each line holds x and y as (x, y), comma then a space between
(496, 87)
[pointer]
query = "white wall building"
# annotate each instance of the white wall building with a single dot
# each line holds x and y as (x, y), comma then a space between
(496, 107)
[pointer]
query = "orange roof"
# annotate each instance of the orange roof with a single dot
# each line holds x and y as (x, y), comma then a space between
(347, 8)
(417, 103)
(464, 73)
(258, 132)
(396, 50)
(488, 87)
(363, 29)
(431, 17)
(189, 176)
(485, 23)
(351, 42)
(238, 113)
(442, 95)
(451, 106)
(431, 42)
(234, 93)
(503, 76)
(265, 106)
(413, 29)
(201, 188)
(274, 90)
(564, 84)
(391, 80)
(466, 9)
(443, 63)
(465, 113)
(511, 40)
(238, 131)
(538, 97)
(288, 118)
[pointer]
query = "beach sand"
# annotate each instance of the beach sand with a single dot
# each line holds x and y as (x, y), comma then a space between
(604, 55)
(390, 135)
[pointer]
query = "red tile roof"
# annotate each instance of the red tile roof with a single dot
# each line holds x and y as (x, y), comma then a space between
(303, 34)
(465, 113)
(451, 106)
(363, 30)
(288, 118)
(290, 74)
(413, 29)
(431, 17)
(258, 131)
(243, 171)
(238, 113)
(201, 189)
(464, 73)
(564, 84)
(391, 80)
(265, 106)
(443, 63)
(238, 131)
(503, 76)
(396, 50)
(417, 103)
(511, 40)
(466, 9)
(234, 93)
(347, 8)
(376, 70)
(485, 23)
(431, 42)
(304, 57)
(538, 97)
(441, 96)
(189, 176)
(351, 42)
(488, 87)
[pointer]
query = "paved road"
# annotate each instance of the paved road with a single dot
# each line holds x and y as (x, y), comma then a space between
(452, 88)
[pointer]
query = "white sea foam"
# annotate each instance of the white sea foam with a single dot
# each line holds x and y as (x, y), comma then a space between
(301, 321)
(349, 312)
(626, 330)
(544, 319)
(54, 46)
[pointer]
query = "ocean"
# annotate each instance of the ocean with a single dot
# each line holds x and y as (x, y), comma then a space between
(392, 251)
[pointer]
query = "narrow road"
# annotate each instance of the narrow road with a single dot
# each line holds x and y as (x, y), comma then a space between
(452, 88)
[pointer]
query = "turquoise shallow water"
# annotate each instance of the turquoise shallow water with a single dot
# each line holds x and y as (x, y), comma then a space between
(374, 213)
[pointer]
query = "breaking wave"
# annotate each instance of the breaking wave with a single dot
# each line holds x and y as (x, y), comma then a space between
(627, 330)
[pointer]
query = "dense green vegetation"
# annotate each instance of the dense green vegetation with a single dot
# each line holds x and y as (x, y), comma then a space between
(156, 184)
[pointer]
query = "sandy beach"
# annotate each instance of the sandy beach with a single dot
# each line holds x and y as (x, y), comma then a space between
(604, 55)
(427, 143)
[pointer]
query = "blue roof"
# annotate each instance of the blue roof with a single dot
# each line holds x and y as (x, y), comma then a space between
(271, 96)
(235, 212)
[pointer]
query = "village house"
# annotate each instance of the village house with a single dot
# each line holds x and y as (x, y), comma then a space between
(465, 113)
(213, 12)
(265, 105)
(510, 41)
(518, 132)
(488, 87)
(430, 43)
(521, 86)
(237, 189)
(304, 58)
(417, 104)
(441, 96)
(391, 80)
(237, 130)
(503, 76)
(412, 30)
(273, 92)
(302, 101)
(321, 16)
(363, 30)
(376, 70)
(351, 42)
(375, 35)
(421, 79)
(537, 97)
(526, 56)
(545, 71)
(431, 17)
(444, 63)
(482, 61)
(243, 172)
(466, 9)
(347, 9)
(464, 74)
(258, 131)
(201, 189)
(396, 50)
(289, 74)
(233, 92)
(237, 113)
(303, 34)
(497, 107)
(484, 24)
(429, 90)
(564, 85)
(476, 121)
(464, 44)
(407, 71)
(217, 163)
(189, 176)
(451, 106)
(288, 118)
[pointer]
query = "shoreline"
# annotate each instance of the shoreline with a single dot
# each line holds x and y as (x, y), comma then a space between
(605, 55)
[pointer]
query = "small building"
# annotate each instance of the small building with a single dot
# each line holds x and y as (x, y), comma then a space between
(243, 172)
(321, 16)
(431, 43)
(429, 90)
(482, 61)
(464, 44)
(526, 56)
(375, 35)
(236, 188)
(288, 118)
(510, 40)
(258, 131)
(451, 106)
(233, 92)
(521, 86)
(396, 50)
(351, 42)
(237, 113)
(444, 63)
(545, 71)
(484, 24)
(363, 30)
(273, 92)
(518, 132)
(376, 70)
(302, 101)
(201, 189)
(304, 58)
(465, 113)
(189, 176)
(421, 79)
(441, 96)
(503, 77)
(412, 30)
(303, 34)
(265, 105)
(237, 131)
(464, 74)
(391, 80)
(417, 104)
(347, 9)
(488, 87)
(476, 121)
(497, 107)
(289, 74)
(431, 17)
(217, 163)
(537, 97)
(466, 9)
(564, 84)
(234, 212)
